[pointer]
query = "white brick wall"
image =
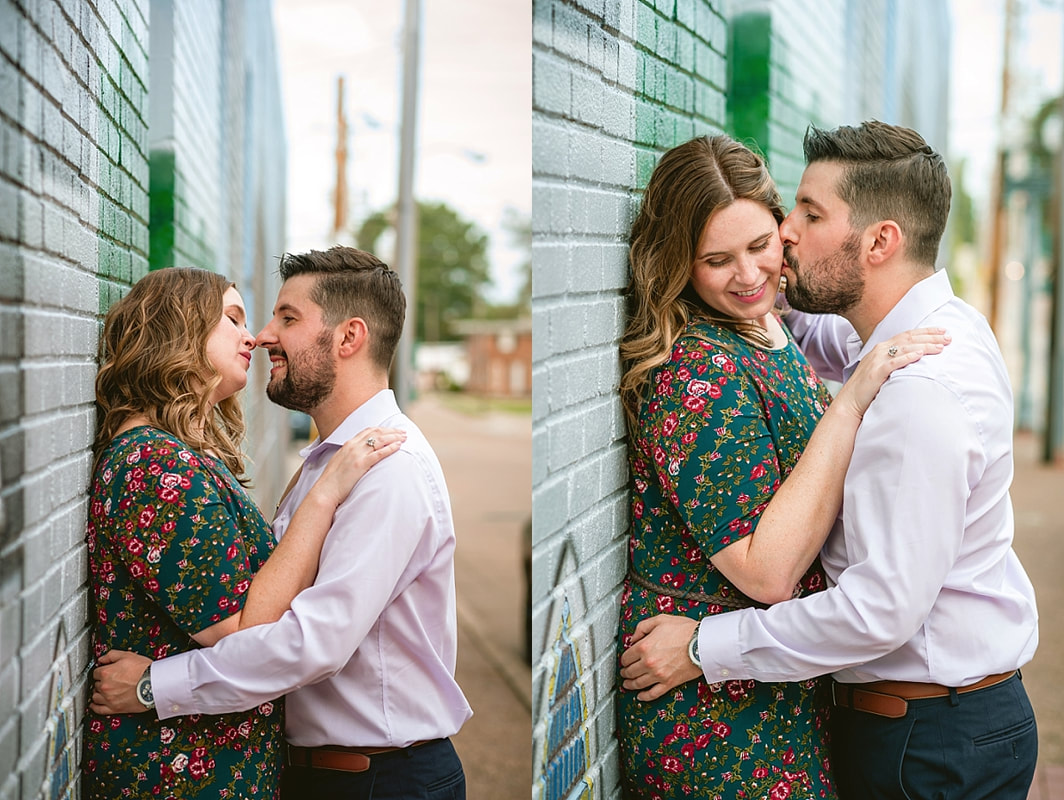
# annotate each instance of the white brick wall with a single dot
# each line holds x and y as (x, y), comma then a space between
(614, 84)
(74, 214)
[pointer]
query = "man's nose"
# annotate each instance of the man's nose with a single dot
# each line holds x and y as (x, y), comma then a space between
(265, 337)
(787, 233)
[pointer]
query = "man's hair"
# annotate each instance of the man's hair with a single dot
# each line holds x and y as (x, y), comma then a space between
(153, 362)
(889, 172)
(353, 283)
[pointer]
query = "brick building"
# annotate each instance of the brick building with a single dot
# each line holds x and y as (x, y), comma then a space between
(92, 192)
(499, 355)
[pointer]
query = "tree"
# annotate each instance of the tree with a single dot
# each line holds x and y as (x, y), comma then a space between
(452, 266)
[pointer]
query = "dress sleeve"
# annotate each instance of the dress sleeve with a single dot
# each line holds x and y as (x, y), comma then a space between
(177, 534)
(709, 444)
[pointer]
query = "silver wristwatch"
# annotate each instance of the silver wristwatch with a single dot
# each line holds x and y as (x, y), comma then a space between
(144, 692)
(692, 649)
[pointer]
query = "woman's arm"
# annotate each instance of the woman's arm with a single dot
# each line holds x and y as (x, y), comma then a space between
(293, 564)
(767, 564)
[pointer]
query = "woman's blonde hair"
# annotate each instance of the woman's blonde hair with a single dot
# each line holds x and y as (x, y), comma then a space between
(690, 183)
(153, 362)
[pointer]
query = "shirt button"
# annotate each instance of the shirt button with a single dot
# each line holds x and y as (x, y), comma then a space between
(175, 708)
(724, 673)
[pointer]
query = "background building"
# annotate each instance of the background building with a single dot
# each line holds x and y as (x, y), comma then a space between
(94, 191)
(614, 85)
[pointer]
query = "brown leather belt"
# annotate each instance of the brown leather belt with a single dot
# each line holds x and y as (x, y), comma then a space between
(891, 698)
(342, 759)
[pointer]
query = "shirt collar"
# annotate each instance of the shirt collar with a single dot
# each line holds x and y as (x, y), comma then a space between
(378, 408)
(924, 297)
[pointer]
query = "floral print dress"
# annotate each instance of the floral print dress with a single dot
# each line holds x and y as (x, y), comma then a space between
(723, 425)
(174, 541)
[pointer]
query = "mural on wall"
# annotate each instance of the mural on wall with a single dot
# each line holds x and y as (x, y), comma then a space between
(59, 752)
(564, 742)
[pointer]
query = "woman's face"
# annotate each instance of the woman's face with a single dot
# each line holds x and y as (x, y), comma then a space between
(229, 347)
(738, 261)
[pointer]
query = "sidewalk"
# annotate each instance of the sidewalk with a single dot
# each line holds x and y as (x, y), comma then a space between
(487, 461)
(1036, 490)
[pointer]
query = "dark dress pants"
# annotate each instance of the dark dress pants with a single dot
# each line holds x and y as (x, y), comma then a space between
(981, 744)
(431, 771)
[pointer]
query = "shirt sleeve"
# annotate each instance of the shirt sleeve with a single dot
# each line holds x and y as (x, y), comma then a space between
(823, 339)
(709, 445)
(903, 514)
(374, 549)
(177, 537)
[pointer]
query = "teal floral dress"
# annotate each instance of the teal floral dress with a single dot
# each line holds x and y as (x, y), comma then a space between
(723, 425)
(174, 541)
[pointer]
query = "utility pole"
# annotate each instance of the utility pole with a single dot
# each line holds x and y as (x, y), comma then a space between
(997, 200)
(406, 217)
(340, 195)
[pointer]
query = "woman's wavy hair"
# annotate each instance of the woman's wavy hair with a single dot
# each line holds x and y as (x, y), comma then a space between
(153, 362)
(689, 183)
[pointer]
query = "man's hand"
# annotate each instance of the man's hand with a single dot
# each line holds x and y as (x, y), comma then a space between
(114, 689)
(656, 659)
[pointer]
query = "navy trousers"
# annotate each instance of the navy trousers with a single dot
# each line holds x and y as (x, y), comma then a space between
(981, 744)
(431, 771)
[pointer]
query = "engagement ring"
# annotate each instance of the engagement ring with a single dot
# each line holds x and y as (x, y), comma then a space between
(891, 351)
(372, 442)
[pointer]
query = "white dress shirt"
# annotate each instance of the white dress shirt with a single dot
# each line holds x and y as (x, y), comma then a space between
(366, 655)
(923, 582)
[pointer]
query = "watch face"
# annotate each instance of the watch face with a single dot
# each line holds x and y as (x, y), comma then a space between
(144, 692)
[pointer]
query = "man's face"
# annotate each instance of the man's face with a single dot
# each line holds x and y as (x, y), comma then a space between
(300, 345)
(821, 251)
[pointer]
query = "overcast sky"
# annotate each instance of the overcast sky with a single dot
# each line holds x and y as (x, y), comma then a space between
(474, 118)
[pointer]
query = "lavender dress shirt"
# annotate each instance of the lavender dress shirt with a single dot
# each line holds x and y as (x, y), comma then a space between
(366, 655)
(923, 582)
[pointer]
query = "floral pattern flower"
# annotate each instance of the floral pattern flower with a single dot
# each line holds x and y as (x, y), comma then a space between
(174, 541)
(723, 426)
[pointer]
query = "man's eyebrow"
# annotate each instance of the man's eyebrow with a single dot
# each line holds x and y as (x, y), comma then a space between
(806, 200)
(285, 307)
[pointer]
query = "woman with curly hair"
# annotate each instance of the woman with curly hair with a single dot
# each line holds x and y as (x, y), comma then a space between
(179, 555)
(720, 404)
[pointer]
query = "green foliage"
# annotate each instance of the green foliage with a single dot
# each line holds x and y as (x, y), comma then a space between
(452, 267)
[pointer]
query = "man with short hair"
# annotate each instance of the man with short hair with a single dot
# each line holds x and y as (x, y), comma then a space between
(366, 655)
(929, 614)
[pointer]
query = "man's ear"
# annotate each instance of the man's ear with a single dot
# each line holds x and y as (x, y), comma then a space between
(354, 335)
(886, 241)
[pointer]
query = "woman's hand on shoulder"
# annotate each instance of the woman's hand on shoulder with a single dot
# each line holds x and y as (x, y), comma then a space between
(894, 353)
(354, 459)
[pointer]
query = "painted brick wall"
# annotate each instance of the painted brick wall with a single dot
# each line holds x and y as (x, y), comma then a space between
(73, 235)
(76, 230)
(614, 84)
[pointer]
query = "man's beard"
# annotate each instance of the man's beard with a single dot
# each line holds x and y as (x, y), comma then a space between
(832, 285)
(309, 378)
